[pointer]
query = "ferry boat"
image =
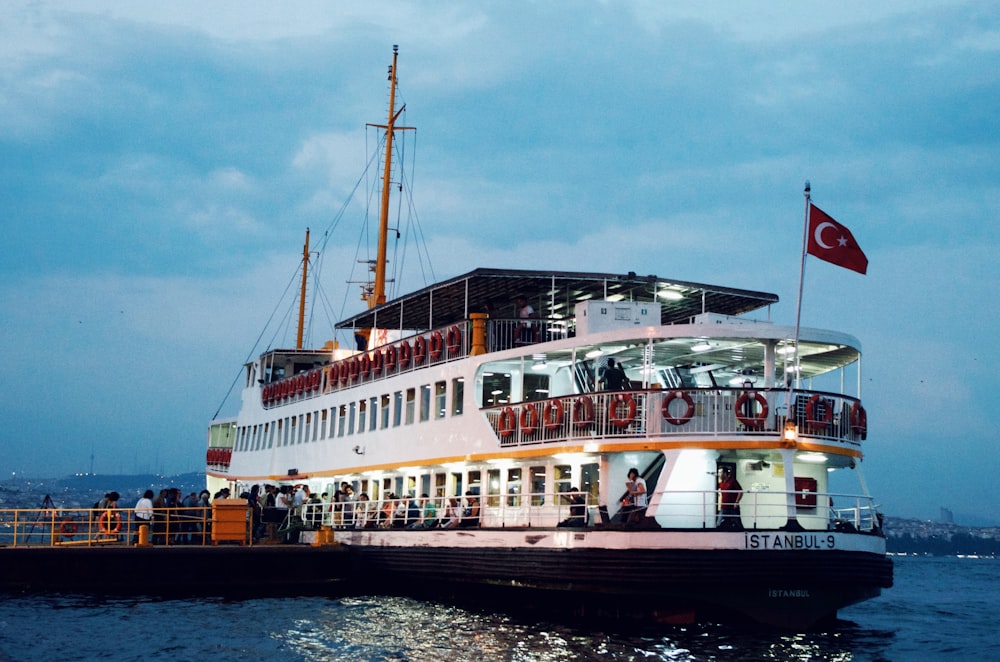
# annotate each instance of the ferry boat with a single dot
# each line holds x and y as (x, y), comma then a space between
(499, 414)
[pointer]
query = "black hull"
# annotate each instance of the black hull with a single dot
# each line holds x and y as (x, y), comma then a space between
(786, 589)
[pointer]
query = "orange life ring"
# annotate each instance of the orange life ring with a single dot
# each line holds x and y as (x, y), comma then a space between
(811, 405)
(436, 345)
(376, 362)
(552, 415)
(454, 339)
(616, 403)
(390, 357)
(354, 368)
(345, 372)
(300, 383)
(366, 365)
(419, 350)
(529, 418)
(109, 522)
(67, 528)
(506, 422)
(316, 380)
(405, 353)
(334, 375)
(583, 412)
(683, 418)
(753, 422)
(859, 420)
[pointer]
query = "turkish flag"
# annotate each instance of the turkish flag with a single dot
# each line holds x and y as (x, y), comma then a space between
(831, 241)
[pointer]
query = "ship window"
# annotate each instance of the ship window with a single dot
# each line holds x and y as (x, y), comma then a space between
(590, 481)
(496, 389)
(411, 396)
(537, 486)
(493, 487)
(440, 399)
(425, 402)
(270, 436)
(536, 386)
(324, 419)
(372, 414)
(385, 412)
(352, 415)
(362, 412)
(514, 487)
(563, 477)
(457, 393)
(474, 482)
(397, 408)
(341, 420)
(309, 427)
(456, 481)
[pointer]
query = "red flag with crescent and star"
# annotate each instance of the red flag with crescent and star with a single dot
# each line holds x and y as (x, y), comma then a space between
(834, 243)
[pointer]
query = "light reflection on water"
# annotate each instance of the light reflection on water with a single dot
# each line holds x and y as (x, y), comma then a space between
(939, 609)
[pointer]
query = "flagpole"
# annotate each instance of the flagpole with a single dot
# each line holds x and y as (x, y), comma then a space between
(798, 306)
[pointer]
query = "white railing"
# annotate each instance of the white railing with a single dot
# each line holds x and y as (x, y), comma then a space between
(680, 412)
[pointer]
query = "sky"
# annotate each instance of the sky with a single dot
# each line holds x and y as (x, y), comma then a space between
(161, 162)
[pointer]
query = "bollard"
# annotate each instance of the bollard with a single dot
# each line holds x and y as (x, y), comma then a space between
(144, 536)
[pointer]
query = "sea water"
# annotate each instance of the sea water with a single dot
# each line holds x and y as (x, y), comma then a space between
(939, 608)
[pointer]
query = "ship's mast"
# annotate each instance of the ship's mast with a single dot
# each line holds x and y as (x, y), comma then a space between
(377, 294)
(302, 294)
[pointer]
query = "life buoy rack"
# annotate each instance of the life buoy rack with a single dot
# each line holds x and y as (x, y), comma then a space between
(110, 522)
(334, 375)
(811, 412)
(859, 420)
(405, 354)
(366, 365)
(752, 422)
(300, 384)
(436, 345)
(354, 368)
(552, 415)
(529, 418)
(67, 528)
(617, 402)
(453, 339)
(583, 412)
(317, 380)
(419, 350)
(377, 362)
(688, 412)
(390, 357)
(506, 422)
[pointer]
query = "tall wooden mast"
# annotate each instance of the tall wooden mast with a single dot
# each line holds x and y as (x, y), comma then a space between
(302, 294)
(377, 294)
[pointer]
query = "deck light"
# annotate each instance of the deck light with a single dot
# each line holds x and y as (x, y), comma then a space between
(791, 431)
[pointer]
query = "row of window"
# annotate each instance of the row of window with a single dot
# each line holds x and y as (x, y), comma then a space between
(367, 415)
(511, 486)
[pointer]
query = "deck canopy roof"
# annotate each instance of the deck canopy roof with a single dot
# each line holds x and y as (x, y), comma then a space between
(553, 294)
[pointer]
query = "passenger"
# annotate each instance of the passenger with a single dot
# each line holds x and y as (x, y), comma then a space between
(613, 378)
(313, 512)
(160, 518)
(143, 514)
(413, 513)
(256, 511)
(470, 517)
(452, 514)
(191, 522)
(577, 509)
(399, 514)
(429, 516)
(524, 334)
(730, 494)
(361, 511)
(636, 486)
(348, 507)
(386, 512)
(205, 514)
